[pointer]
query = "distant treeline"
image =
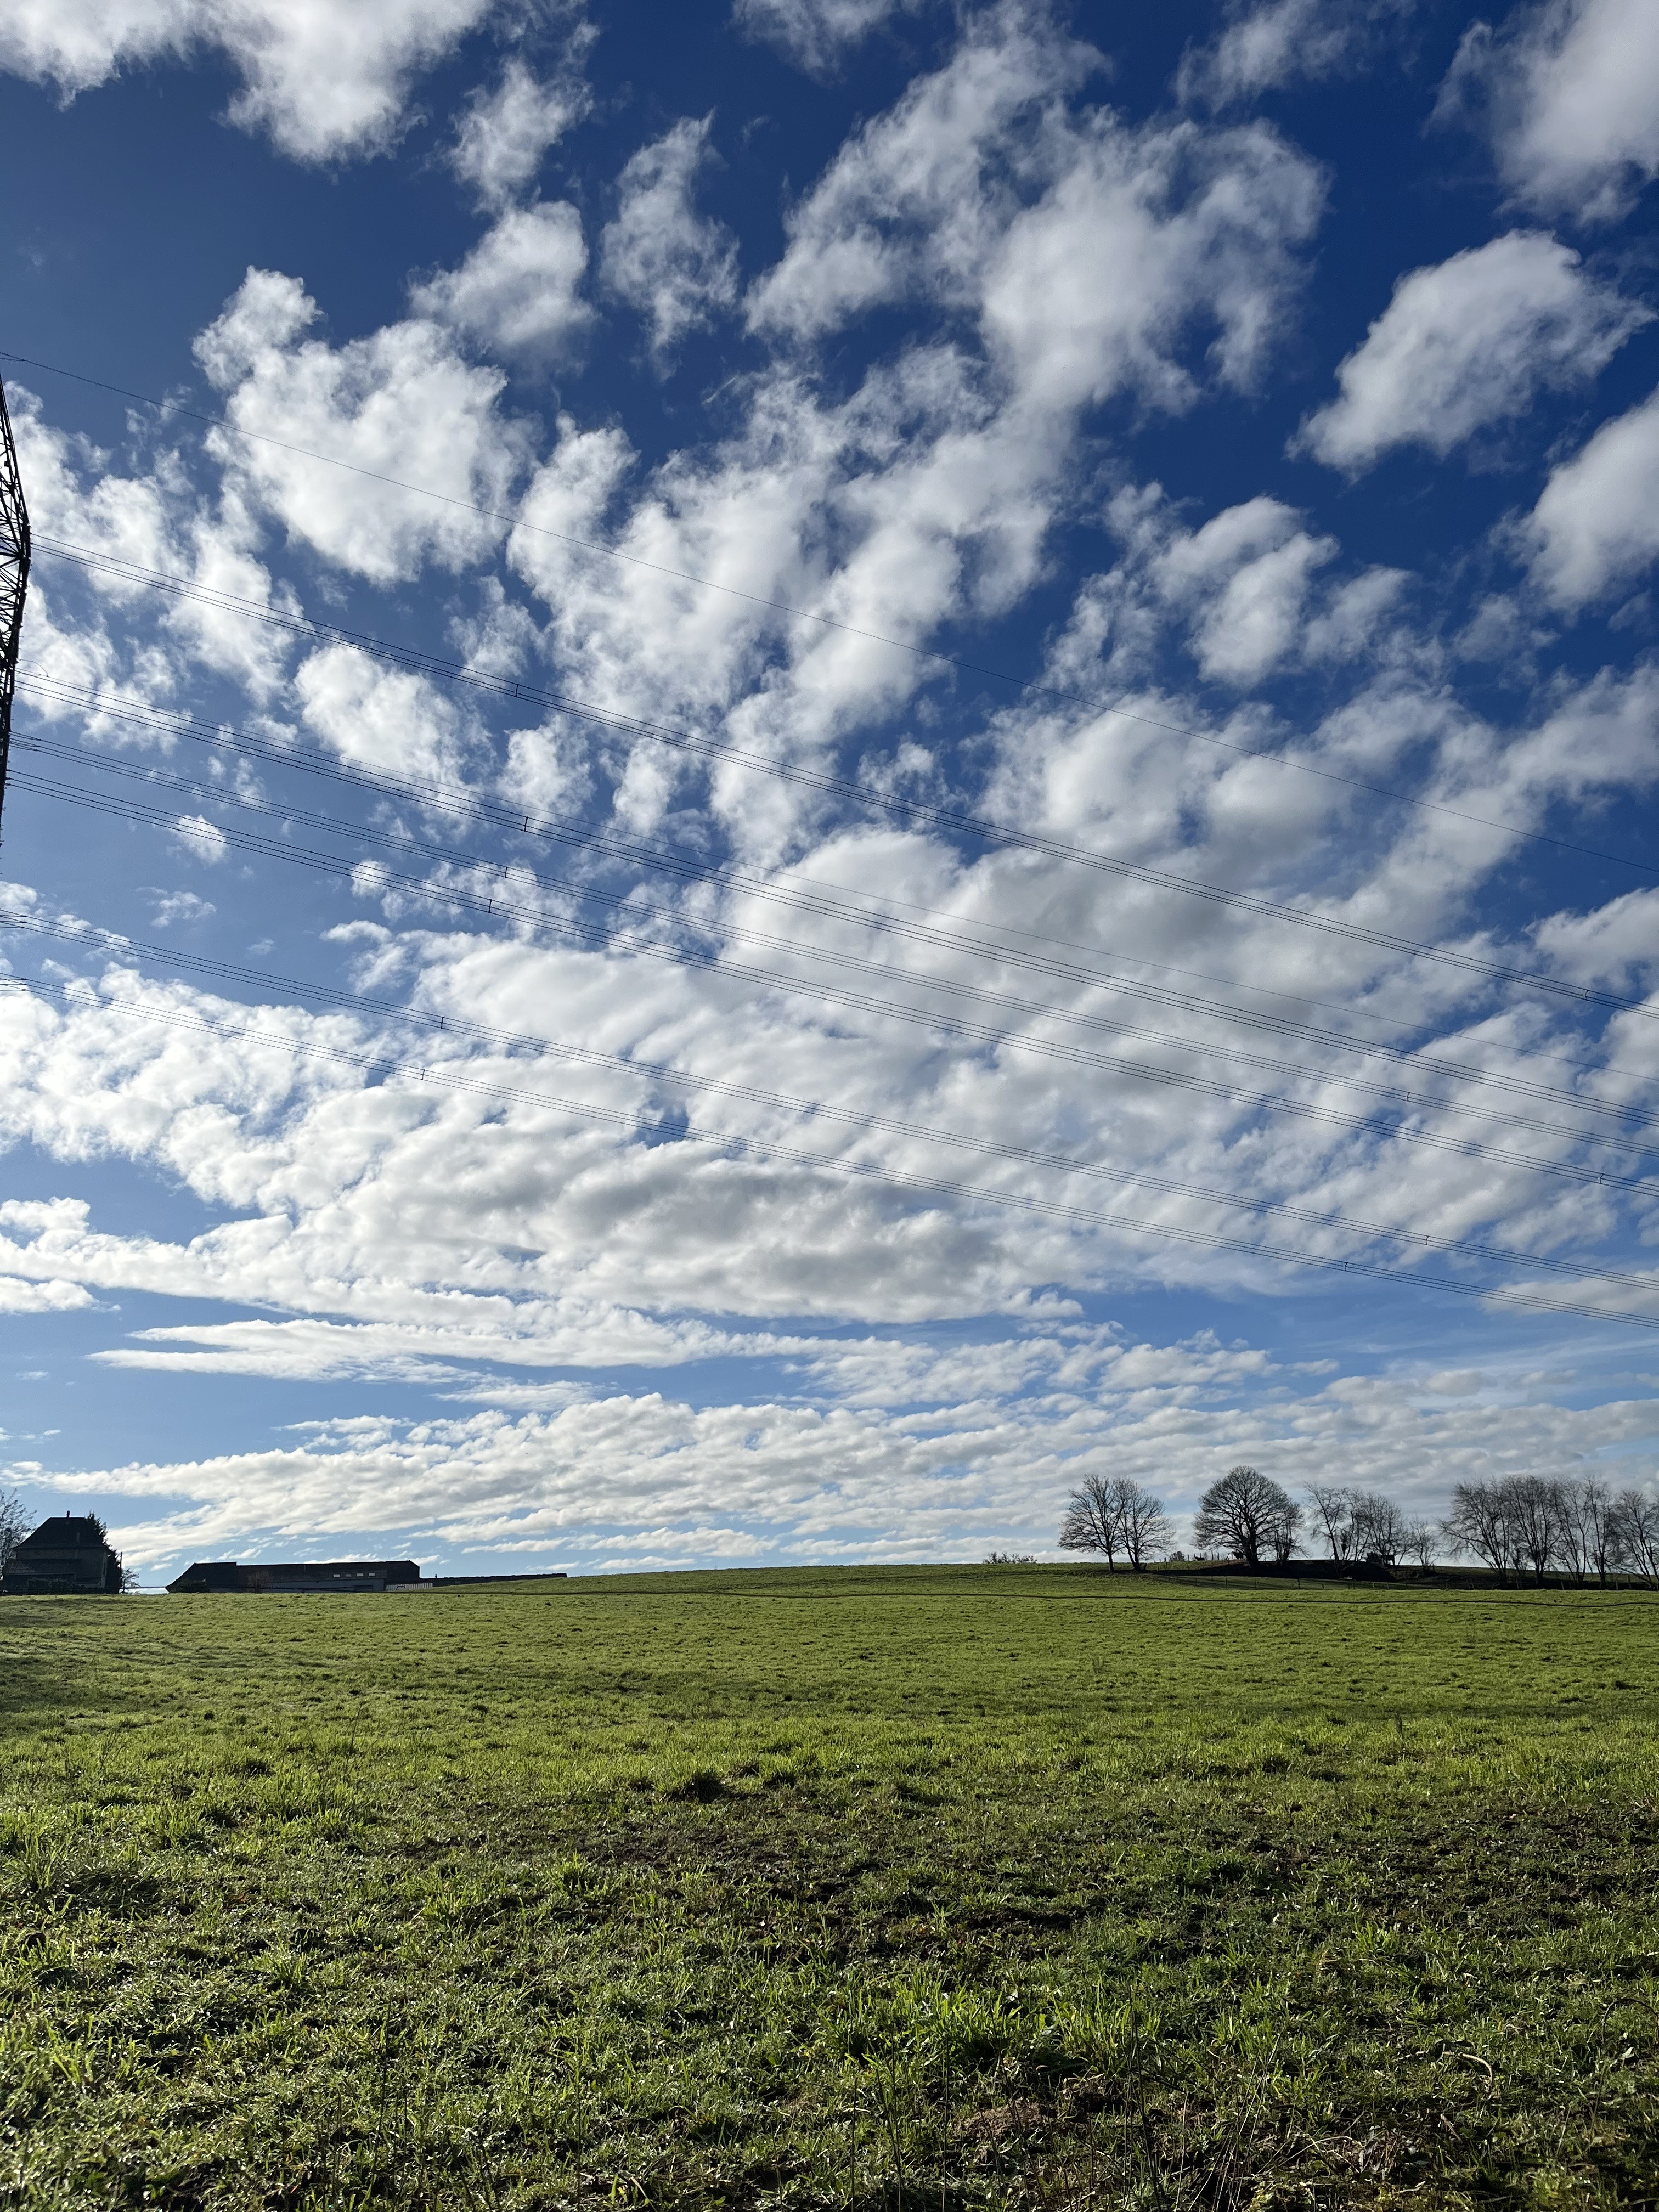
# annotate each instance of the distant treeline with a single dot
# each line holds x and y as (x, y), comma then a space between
(1580, 1528)
(1517, 1524)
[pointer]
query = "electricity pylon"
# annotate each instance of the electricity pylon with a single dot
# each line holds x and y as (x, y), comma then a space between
(13, 580)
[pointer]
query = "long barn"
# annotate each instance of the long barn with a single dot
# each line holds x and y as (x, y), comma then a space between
(311, 1575)
(322, 1577)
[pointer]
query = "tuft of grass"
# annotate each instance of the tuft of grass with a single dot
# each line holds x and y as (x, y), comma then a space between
(900, 1889)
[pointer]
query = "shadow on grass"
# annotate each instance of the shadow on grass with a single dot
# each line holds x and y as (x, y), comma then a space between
(30, 1686)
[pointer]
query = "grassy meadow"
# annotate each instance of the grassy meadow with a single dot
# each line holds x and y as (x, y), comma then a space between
(902, 1888)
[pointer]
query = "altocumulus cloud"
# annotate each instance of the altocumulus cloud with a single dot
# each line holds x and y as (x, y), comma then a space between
(616, 1105)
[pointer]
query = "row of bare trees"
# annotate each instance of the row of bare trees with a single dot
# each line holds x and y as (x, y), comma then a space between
(1250, 1517)
(1522, 1521)
(1579, 1529)
(1364, 1524)
(1247, 1514)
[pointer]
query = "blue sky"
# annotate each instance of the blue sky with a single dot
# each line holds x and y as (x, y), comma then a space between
(1214, 450)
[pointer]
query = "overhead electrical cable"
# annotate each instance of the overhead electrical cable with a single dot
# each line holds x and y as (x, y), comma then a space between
(1036, 685)
(454, 799)
(495, 905)
(401, 840)
(959, 823)
(505, 686)
(457, 799)
(999, 835)
(499, 906)
(442, 1077)
(457, 1028)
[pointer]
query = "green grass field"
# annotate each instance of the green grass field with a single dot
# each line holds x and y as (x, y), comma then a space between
(905, 1888)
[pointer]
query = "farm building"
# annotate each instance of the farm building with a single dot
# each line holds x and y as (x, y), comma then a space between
(313, 1575)
(319, 1577)
(69, 1556)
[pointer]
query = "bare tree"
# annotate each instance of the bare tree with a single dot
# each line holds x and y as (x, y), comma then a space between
(1283, 1531)
(14, 1526)
(1585, 1517)
(1333, 1509)
(1245, 1514)
(1535, 1512)
(1418, 1544)
(1094, 1519)
(1524, 1521)
(1571, 1536)
(1479, 1523)
(1634, 1534)
(1594, 1507)
(1379, 1526)
(1146, 1525)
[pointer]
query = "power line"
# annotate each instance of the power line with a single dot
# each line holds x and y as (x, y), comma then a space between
(452, 800)
(491, 905)
(436, 665)
(513, 521)
(960, 824)
(452, 1026)
(965, 823)
(458, 799)
(401, 841)
(440, 1076)
(500, 906)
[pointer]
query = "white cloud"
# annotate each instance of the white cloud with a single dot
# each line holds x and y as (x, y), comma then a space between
(1151, 239)
(923, 493)
(203, 840)
(1572, 90)
(389, 721)
(678, 268)
(498, 1228)
(168, 907)
(1595, 527)
(1283, 43)
(1611, 948)
(516, 292)
(155, 521)
(911, 201)
(323, 80)
(1241, 587)
(1145, 264)
(504, 135)
(400, 407)
(1467, 344)
(621, 1480)
(19, 1295)
(1249, 570)
(1090, 253)
(1040, 258)
(314, 1350)
(1356, 617)
(1086, 260)
(572, 1481)
(817, 35)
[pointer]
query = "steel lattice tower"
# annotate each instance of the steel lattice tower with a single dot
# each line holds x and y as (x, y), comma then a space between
(14, 580)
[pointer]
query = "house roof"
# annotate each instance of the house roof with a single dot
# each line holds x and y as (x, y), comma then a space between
(66, 1532)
